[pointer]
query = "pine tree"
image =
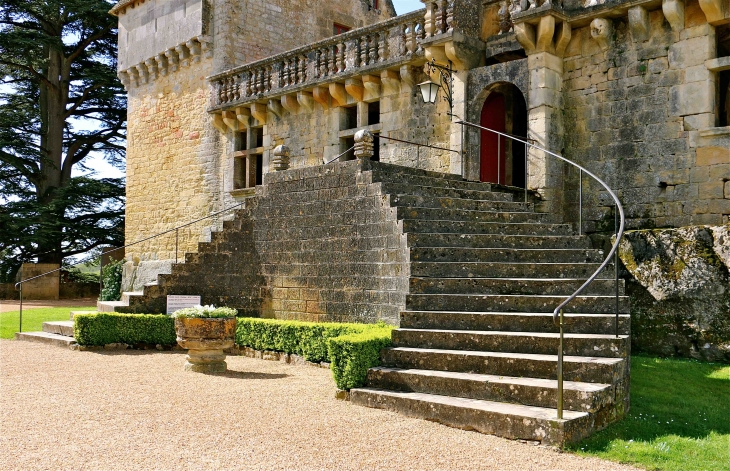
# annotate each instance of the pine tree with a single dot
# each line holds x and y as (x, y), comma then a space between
(60, 102)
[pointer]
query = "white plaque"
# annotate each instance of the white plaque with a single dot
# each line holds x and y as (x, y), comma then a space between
(175, 302)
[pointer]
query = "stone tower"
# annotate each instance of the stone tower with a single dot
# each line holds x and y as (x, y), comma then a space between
(167, 48)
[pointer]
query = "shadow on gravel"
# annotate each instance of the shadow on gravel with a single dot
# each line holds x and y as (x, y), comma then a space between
(248, 375)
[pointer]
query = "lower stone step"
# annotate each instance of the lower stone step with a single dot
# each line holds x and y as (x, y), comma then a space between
(518, 303)
(472, 227)
(543, 343)
(551, 286)
(432, 239)
(464, 254)
(65, 328)
(109, 306)
(585, 397)
(577, 323)
(512, 421)
(45, 337)
(508, 270)
(575, 368)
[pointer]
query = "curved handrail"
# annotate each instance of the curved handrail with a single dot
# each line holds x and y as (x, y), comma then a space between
(620, 208)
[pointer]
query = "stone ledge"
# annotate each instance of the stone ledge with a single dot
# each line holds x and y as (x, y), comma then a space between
(719, 64)
(715, 132)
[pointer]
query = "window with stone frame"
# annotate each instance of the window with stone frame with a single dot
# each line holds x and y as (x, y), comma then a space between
(248, 158)
(339, 29)
(723, 76)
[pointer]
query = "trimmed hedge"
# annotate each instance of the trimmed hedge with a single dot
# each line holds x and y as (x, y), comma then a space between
(352, 355)
(307, 339)
(97, 330)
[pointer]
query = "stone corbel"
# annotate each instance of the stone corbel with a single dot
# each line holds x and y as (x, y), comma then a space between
(243, 115)
(124, 78)
(195, 50)
(437, 53)
(565, 32)
(183, 54)
(674, 13)
(133, 75)
(355, 88)
(545, 34)
(218, 123)
(525, 34)
(391, 82)
(306, 100)
(372, 87)
(173, 60)
(161, 60)
(276, 108)
(338, 92)
(258, 111)
(231, 120)
(322, 96)
(151, 65)
(206, 46)
(142, 72)
(639, 23)
(714, 10)
(407, 77)
(290, 103)
(602, 32)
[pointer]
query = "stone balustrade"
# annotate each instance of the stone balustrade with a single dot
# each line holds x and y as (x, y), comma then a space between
(363, 51)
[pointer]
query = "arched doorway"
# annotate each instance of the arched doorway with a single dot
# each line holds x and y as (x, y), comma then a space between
(502, 160)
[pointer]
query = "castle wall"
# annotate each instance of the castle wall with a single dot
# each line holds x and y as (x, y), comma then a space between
(641, 114)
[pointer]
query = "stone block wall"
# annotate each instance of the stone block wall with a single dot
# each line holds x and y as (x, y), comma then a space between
(639, 112)
(45, 287)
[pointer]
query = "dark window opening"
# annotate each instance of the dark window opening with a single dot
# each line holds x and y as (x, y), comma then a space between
(339, 29)
(346, 144)
(241, 141)
(258, 137)
(350, 118)
(376, 148)
(373, 113)
(239, 173)
(723, 79)
(259, 168)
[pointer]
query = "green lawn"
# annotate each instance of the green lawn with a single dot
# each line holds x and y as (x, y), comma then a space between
(679, 418)
(34, 318)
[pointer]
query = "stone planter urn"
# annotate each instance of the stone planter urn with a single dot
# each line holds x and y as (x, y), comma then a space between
(205, 338)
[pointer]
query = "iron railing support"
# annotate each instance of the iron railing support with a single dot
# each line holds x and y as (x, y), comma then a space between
(560, 366)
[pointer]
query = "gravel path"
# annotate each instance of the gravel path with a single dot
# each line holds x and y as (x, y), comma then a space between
(61, 409)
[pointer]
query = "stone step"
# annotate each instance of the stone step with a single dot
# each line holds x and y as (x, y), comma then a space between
(393, 172)
(549, 286)
(584, 397)
(464, 254)
(575, 368)
(440, 191)
(513, 303)
(577, 323)
(408, 200)
(129, 294)
(431, 182)
(430, 214)
(65, 328)
(543, 343)
(512, 421)
(47, 338)
(497, 241)
(473, 227)
(508, 270)
(109, 306)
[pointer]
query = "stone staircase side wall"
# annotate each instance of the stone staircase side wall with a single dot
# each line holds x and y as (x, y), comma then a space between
(315, 244)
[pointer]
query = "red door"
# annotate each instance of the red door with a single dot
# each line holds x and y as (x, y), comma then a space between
(492, 152)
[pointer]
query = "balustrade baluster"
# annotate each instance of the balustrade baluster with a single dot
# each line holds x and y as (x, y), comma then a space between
(341, 63)
(332, 50)
(270, 78)
(260, 80)
(364, 51)
(383, 46)
(374, 44)
(237, 87)
(450, 16)
(302, 69)
(420, 35)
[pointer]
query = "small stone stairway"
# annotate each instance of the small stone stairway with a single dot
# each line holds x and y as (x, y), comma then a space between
(58, 333)
(477, 346)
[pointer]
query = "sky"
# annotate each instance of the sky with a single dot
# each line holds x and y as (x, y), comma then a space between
(103, 169)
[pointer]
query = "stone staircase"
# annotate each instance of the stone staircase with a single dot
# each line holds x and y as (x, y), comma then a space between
(477, 346)
(58, 333)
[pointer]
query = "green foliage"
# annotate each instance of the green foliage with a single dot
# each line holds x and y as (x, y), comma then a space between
(352, 355)
(77, 276)
(205, 311)
(102, 329)
(33, 319)
(307, 339)
(60, 102)
(678, 419)
(111, 277)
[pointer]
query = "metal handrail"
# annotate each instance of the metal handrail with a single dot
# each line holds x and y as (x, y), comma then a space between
(19, 285)
(558, 316)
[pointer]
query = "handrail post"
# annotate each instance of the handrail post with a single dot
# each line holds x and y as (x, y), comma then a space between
(560, 368)
(615, 264)
(177, 238)
(20, 327)
(499, 158)
(580, 204)
(527, 149)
